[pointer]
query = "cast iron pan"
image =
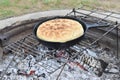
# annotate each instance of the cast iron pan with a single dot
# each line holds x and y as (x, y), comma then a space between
(58, 45)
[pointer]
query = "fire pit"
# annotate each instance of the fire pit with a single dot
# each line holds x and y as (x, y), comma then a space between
(96, 55)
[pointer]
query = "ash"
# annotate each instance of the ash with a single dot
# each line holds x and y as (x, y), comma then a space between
(55, 65)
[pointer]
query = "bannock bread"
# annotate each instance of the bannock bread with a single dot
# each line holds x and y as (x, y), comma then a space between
(59, 30)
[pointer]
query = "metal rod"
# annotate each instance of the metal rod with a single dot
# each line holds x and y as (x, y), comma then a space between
(61, 71)
(74, 11)
(69, 13)
(117, 36)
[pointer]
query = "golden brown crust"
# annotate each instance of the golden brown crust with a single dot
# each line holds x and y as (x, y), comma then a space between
(60, 30)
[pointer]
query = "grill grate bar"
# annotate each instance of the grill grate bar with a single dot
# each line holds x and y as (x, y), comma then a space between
(105, 16)
(25, 46)
(22, 49)
(28, 46)
(99, 11)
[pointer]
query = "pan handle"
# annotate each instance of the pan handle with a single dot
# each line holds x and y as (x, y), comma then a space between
(96, 25)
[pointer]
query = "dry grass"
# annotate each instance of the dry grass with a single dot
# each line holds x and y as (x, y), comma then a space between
(10, 8)
(110, 4)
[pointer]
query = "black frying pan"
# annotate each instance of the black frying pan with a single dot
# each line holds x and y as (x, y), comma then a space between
(58, 45)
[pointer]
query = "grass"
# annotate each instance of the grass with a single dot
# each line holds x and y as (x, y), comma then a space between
(10, 8)
(6, 13)
(5, 3)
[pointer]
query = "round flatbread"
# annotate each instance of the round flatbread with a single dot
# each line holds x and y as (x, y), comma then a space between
(60, 30)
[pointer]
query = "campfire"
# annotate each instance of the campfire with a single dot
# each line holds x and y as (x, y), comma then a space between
(92, 58)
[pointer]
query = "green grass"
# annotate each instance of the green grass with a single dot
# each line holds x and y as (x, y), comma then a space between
(5, 3)
(6, 13)
(10, 8)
